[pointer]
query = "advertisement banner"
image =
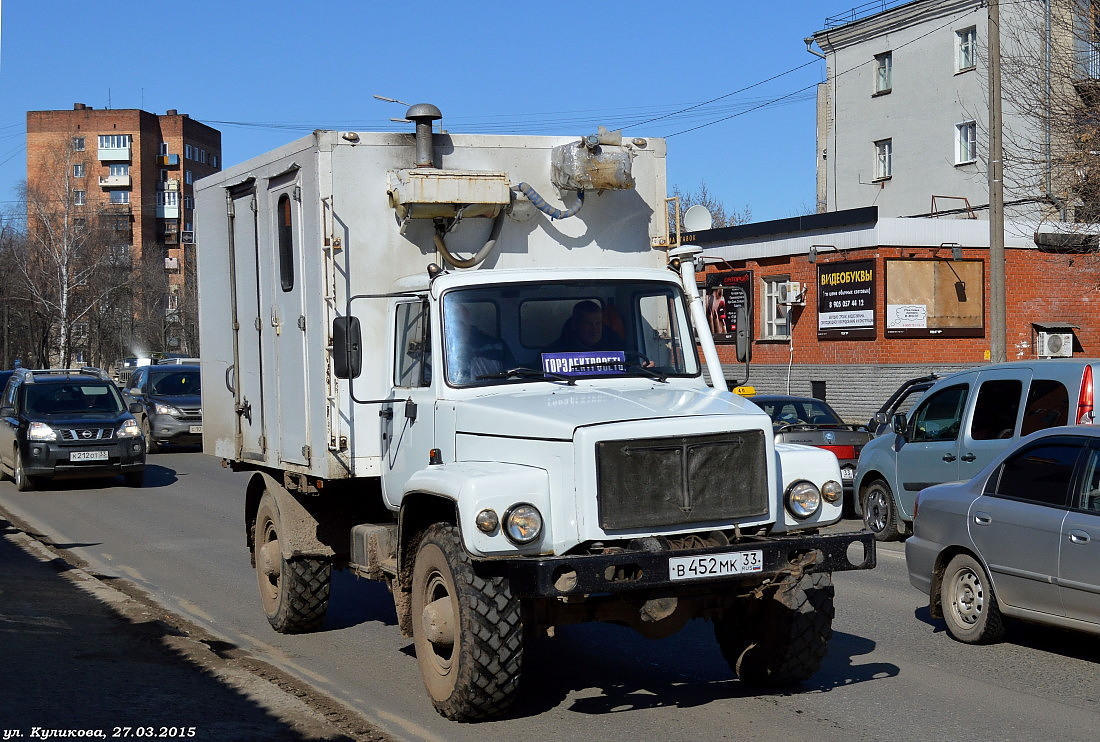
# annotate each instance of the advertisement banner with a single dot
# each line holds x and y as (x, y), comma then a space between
(846, 300)
(725, 292)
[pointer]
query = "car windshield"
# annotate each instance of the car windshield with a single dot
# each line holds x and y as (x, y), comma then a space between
(72, 398)
(175, 383)
(798, 412)
(564, 331)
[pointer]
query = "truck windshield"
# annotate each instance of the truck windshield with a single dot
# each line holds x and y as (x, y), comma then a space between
(506, 333)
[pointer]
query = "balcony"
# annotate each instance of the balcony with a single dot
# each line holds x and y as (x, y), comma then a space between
(171, 264)
(114, 154)
(172, 184)
(168, 160)
(168, 211)
(170, 238)
(114, 181)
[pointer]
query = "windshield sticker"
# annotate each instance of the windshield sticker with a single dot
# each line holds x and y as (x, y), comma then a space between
(585, 363)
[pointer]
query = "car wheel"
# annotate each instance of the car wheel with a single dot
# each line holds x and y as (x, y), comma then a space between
(969, 605)
(23, 483)
(880, 514)
(150, 444)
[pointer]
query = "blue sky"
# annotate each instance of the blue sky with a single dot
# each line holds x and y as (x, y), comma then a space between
(265, 73)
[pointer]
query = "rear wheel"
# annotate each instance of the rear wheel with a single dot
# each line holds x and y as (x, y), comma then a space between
(969, 605)
(23, 483)
(880, 513)
(294, 593)
(782, 639)
(467, 630)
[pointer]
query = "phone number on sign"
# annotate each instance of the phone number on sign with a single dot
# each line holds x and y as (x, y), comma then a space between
(115, 733)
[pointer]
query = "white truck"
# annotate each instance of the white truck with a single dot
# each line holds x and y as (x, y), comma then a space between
(441, 380)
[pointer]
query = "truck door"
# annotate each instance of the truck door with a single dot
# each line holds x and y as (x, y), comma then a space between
(287, 324)
(408, 423)
(245, 378)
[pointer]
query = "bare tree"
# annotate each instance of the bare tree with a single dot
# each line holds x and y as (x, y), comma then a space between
(69, 268)
(720, 216)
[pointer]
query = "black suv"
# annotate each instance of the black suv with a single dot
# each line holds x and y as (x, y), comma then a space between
(170, 394)
(68, 423)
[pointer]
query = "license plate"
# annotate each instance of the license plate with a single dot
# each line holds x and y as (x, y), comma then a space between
(87, 456)
(715, 565)
(196, 429)
(847, 473)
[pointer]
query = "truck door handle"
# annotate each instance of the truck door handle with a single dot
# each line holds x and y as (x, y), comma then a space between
(949, 457)
(968, 456)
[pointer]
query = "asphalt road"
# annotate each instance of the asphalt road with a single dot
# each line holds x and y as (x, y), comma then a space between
(891, 673)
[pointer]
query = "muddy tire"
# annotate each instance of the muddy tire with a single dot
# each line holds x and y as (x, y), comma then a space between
(294, 593)
(23, 483)
(880, 512)
(467, 630)
(780, 639)
(969, 606)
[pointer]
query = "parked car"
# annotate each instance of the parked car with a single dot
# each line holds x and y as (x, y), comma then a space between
(901, 400)
(67, 423)
(959, 425)
(812, 422)
(170, 398)
(1020, 539)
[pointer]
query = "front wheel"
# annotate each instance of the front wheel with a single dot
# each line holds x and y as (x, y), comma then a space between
(880, 513)
(294, 593)
(969, 605)
(467, 630)
(23, 483)
(150, 444)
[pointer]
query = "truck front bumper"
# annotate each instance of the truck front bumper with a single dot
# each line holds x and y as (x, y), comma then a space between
(625, 571)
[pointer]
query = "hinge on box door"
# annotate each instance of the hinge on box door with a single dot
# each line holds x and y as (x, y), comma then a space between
(302, 322)
(307, 453)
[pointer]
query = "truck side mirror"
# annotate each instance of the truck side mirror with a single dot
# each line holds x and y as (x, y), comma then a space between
(744, 336)
(900, 423)
(347, 348)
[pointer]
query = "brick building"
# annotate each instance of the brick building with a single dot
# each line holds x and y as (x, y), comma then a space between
(134, 171)
(845, 305)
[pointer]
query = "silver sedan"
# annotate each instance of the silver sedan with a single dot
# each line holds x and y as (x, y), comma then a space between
(1020, 539)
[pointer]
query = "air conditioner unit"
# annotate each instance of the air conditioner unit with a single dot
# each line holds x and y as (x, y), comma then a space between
(1056, 344)
(791, 292)
(187, 238)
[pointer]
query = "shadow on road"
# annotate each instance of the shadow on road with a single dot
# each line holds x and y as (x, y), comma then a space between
(1065, 642)
(74, 662)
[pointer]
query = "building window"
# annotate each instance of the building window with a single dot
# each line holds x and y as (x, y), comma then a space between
(164, 148)
(966, 145)
(173, 302)
(214, 161)
(188, 202)
(119, 169)
(114, 141)
(167, 198)
(78, 144)
(79, 198)
(188, 178)
(884, 159)
(966, 42)
(188, 152)
(884, 73)
(120, 197)
(776, 326)
(78, 170)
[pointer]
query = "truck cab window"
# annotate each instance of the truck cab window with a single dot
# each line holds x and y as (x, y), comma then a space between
(413, 365)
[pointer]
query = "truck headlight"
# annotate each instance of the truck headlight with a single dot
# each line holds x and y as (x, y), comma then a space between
(41, 432)
(129, 429)
(832, 491)
(803, 499)
(522, 523)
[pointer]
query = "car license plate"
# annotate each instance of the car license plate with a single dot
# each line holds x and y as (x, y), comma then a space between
(715, 565)
(196, 429)
(847, 474)
(87, 456)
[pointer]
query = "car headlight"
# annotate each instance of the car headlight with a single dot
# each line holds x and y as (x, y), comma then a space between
(129, 429)
(832, 491)
(167, 409)
(41, 432)
(522, 523)
(803, 499)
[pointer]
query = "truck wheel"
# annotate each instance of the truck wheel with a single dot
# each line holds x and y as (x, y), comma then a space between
(780, 640)
(294, 593)
(880, 514)
(969, 605)
(467, 630)
(23, 483)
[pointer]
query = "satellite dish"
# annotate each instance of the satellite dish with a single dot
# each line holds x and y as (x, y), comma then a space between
(697, 218)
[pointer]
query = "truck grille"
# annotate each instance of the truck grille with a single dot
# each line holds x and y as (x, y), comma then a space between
(649, 482)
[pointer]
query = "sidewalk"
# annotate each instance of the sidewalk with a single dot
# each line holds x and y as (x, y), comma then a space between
(80, 657)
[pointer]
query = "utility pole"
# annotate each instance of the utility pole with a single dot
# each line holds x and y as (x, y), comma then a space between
(997, 319)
